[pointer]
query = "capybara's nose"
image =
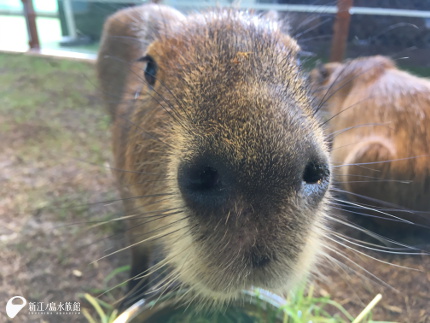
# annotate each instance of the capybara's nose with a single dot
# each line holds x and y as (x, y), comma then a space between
(206, 184)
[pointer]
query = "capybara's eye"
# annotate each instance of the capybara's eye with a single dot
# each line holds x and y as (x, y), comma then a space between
(323, 73)
(315, 172)
(150, 69)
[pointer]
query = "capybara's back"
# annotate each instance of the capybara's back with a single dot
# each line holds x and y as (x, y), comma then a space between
(380, 119)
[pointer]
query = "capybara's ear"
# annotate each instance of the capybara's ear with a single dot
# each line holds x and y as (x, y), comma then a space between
(377, 63)
(126, 36)
(366, 69)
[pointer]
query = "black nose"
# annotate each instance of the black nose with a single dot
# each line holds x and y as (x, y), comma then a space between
(207, 184)
(203, 184)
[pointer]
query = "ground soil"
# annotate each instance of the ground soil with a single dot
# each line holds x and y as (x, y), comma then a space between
(401, 274)
(56, 188)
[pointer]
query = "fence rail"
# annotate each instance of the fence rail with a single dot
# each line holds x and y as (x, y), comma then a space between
(257, 6)
(248, 4)
(44, 14)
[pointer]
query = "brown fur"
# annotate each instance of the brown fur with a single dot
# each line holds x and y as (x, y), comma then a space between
(228, 89)
(379, 113)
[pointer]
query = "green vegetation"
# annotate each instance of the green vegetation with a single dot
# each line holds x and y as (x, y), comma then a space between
(104, 317)
(55, 152)
(54, 103)
(301, 307)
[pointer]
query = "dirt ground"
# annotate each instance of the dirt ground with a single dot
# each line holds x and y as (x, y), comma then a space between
(57, 196)
(401, 274)
(56, 187)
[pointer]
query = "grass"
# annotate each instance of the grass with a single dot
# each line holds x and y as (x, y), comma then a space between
(303, 306)
(106, 312)
(56, 101)
(300, 307)
(51, 117)
(54, 148)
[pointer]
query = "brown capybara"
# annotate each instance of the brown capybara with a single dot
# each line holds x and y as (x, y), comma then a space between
(222, 166)
(379, 118)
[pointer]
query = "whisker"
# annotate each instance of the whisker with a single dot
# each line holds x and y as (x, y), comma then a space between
(346, 270)
(155, 216)
(155, 237)
(375, 247)
(382, 161)
(373, 235)
(120, 200)
(339, 132)
(313, 27)
(369, 215)
(374, 210)
(396, 207)
(367, 255)
(374, 277)
(377, 180)
(352, 106)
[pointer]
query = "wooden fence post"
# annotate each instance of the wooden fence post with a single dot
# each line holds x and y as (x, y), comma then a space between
(30, 18)
(340, 30)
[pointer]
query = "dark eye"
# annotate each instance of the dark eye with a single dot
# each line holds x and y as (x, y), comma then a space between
(315, 173)
(324, 74)
(150, 69)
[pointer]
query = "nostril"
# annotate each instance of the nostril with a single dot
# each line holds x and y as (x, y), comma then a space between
(202, 178)
(201, 184)
(315, 172)
(316, 180)
(259, 261)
